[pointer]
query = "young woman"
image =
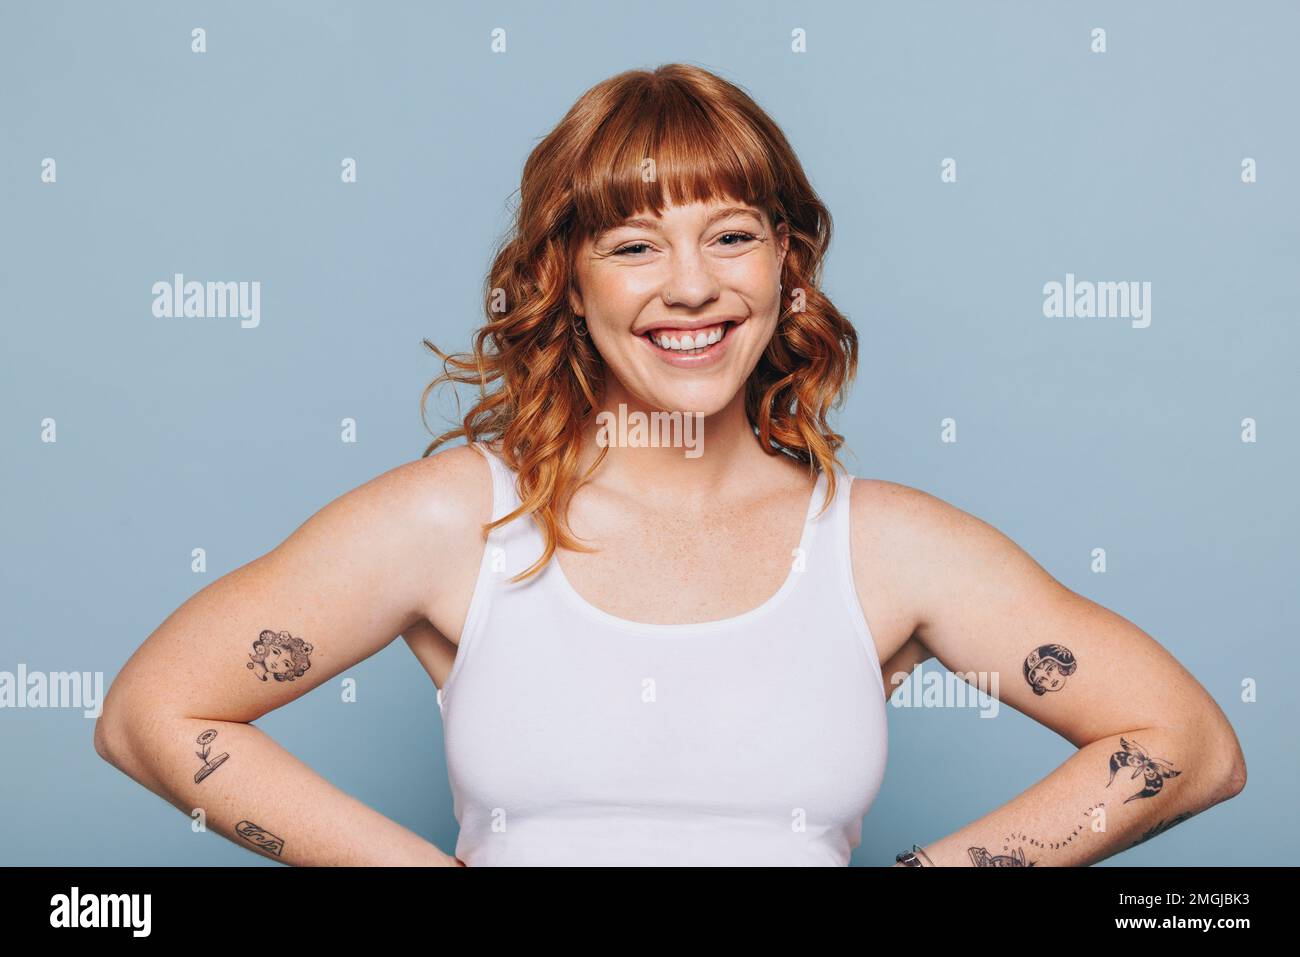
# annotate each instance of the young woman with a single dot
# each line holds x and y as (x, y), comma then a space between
(653, 602)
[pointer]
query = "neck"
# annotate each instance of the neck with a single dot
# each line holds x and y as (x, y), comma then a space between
(683, 457)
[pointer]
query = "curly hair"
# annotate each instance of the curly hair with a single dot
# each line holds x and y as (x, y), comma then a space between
(702, 138)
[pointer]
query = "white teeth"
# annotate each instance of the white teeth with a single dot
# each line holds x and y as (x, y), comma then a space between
(689, 343)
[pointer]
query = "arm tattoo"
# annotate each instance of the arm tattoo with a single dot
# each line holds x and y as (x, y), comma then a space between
(1154, 770)
(258, 835)
(980, 857)
(280, 656)
(1161, 828)
(209, 766)
(1048, 666)
(1021, 838)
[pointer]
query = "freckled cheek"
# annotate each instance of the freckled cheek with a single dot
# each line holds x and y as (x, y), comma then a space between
(758, 274)
(615, 303)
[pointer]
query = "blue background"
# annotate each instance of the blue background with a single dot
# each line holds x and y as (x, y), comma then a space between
(1073, 433)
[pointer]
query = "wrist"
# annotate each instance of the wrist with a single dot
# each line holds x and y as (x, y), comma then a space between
(916, 857)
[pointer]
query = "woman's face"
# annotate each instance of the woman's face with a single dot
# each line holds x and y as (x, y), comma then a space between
(1047, 676)
(705, 274)
(278, 659)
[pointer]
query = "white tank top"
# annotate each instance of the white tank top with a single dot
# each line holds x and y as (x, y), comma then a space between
(575, 737)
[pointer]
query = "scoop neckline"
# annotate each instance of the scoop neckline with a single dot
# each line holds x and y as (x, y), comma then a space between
(680, 629)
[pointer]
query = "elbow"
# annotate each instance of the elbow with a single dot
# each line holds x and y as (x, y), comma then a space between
(1236, 778)
(114, 728)
(106, 738)
(1230, 765)
(113, 732)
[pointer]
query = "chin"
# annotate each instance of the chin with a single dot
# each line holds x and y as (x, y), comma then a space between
(702, 399)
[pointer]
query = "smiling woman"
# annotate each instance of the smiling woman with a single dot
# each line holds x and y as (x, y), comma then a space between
(652, 652)
(703, 686)
(665, 261)
(664, 206)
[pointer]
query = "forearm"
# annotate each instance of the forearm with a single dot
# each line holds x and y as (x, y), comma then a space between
(255, 793)
(1074, 817)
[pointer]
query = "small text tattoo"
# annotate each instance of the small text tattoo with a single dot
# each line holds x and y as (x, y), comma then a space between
(209, 765)
(1048, 666)
(980, 857)
(1153, 770)
(1020, 837)
(280, 656)
(260, 836)
(1161, 828)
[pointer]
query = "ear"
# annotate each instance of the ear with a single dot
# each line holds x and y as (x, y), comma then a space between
(573, 294)
(783, 241)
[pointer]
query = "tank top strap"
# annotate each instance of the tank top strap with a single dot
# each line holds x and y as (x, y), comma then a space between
(834, 541)
(516, 545)
(822, 532)
(839, 510)
(505, 497)
(839, 556)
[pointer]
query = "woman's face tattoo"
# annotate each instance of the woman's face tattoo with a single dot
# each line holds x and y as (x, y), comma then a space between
(280, 656)
(1047, 667)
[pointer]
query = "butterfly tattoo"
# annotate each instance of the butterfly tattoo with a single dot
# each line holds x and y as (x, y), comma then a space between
(1153, 770)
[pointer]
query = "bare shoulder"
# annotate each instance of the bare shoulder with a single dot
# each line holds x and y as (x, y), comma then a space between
(924, 551)
(453, 487)
(419, 520)
(449, 500)
(893, 507)
(920, 525)
(888, 512)
(444, 499)
(443, 492)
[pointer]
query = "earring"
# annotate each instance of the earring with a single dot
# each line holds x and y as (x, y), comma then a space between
(579, 326)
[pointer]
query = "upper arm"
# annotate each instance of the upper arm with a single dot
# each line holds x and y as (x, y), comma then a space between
(981, 604)
(342, 586)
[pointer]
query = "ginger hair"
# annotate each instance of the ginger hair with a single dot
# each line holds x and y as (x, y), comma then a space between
(539, 382)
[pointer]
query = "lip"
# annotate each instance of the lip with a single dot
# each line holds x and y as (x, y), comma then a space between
(711, 355)
(690, 325)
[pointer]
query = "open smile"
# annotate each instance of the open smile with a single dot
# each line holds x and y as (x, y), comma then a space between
(690, 348)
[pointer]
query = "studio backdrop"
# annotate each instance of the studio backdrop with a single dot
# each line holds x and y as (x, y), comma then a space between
(1067, 235)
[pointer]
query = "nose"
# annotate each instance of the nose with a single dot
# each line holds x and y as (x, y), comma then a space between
(690, 281)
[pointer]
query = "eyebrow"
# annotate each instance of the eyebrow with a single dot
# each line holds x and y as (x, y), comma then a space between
(721, 213)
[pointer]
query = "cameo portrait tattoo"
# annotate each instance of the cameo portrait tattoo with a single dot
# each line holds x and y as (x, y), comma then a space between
(205, 740)
(1048, 666)
(1154, 771)
(280, 656)
(260, 836)
(980, 857)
